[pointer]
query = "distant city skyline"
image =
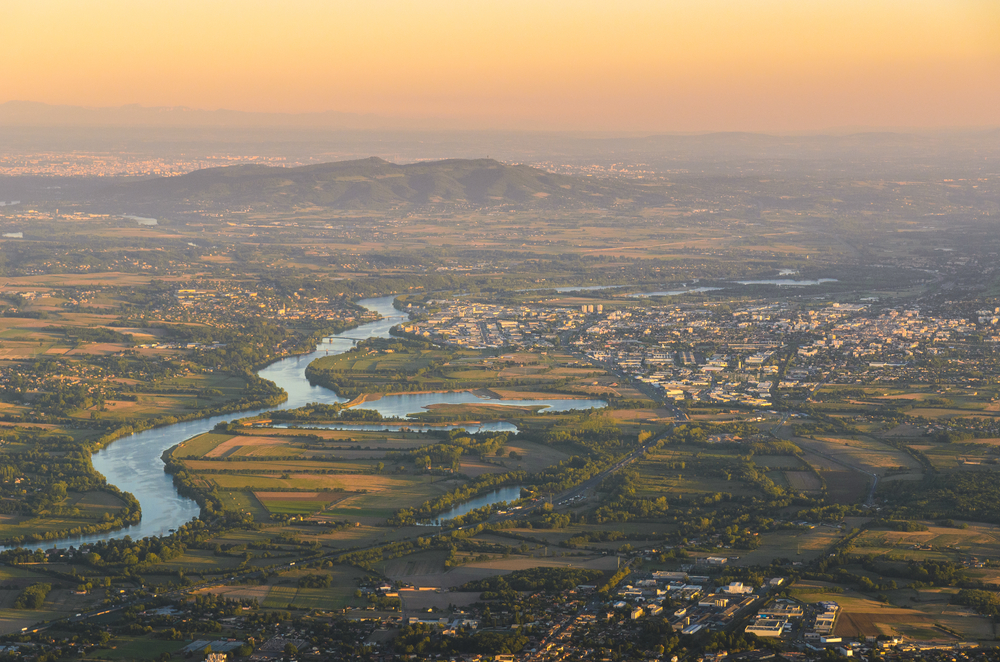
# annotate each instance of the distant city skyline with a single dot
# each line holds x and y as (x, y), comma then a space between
(637, 65)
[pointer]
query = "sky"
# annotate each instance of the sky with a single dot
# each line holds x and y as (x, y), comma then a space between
(609, 65)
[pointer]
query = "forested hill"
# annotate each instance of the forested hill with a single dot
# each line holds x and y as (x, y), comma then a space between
(377, 184)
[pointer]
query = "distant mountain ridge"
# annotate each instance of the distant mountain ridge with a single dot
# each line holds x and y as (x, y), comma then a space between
(377, 184)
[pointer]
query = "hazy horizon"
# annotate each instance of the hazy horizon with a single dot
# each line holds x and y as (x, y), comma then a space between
(639, 66)
(34, 114)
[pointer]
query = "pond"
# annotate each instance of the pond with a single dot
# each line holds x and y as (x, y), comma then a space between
(503, 494)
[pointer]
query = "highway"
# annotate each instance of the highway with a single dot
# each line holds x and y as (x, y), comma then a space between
(582, 490)
(870, 499)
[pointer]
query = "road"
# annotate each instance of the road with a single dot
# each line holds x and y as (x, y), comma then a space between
(591, 484)
(870, 499)
(578, 491)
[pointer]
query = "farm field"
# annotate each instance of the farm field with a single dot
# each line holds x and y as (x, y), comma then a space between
(801, 546)
(255, 446)
(280, 465)
(355, 535)
(200, 445)
(314, 482)
(297, 503)
(863, 454)
(783, 462)
(450, 413)
(972, 455)
(137, 648)
(407, 366)
(284, 449)
(244, 502)
(58, 603)
(675, 470)
(915, 614)
(426, 569)
(845, 464)
(280, 592)
(394, 434)
(804, 481)
(938, 542)
(846, 487)
(327, 599)
(376, 507)
(553, 537)
(196, 561)
(12, 620)
(9, 573)
(416, 601)
(21, 526)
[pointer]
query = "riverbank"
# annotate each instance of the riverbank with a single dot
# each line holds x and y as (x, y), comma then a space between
(134, 466)
(127, 458)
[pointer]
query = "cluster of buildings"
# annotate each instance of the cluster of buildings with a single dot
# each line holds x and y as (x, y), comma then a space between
(113, 164)
(484, 325)
(79, 382)
(661, 347)
(898, 335)
(779, 618)
(617, 170)
(733, 355)
(658, 595)
(226, 304)
(574, 624)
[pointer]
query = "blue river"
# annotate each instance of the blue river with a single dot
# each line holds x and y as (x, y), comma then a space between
(133, 463)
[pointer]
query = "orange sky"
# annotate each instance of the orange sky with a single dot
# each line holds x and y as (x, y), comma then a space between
(665, 65)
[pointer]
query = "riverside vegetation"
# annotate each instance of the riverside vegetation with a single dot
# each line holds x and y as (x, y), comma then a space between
(105, 332)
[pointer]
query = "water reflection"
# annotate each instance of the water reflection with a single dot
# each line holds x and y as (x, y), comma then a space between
(503, 494)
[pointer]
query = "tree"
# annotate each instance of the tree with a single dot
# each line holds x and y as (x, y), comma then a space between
(291, 650)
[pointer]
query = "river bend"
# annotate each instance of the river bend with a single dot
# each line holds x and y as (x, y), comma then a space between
(133, 463)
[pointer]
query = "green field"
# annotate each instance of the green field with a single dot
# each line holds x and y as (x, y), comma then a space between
(196, 560)
(200, 445)
(660, 474)
(404, 365)
(316, 482)
(139, 648)
(11, 526)
(913, 614)
(381, 506)
(307, 482)
(326, 599)
(13, 572)
(12, 620)
(413, 368)
(290, 466)
(266, 451)
(938, 542)
(970, 455)
(293, 507)
(244, 502)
